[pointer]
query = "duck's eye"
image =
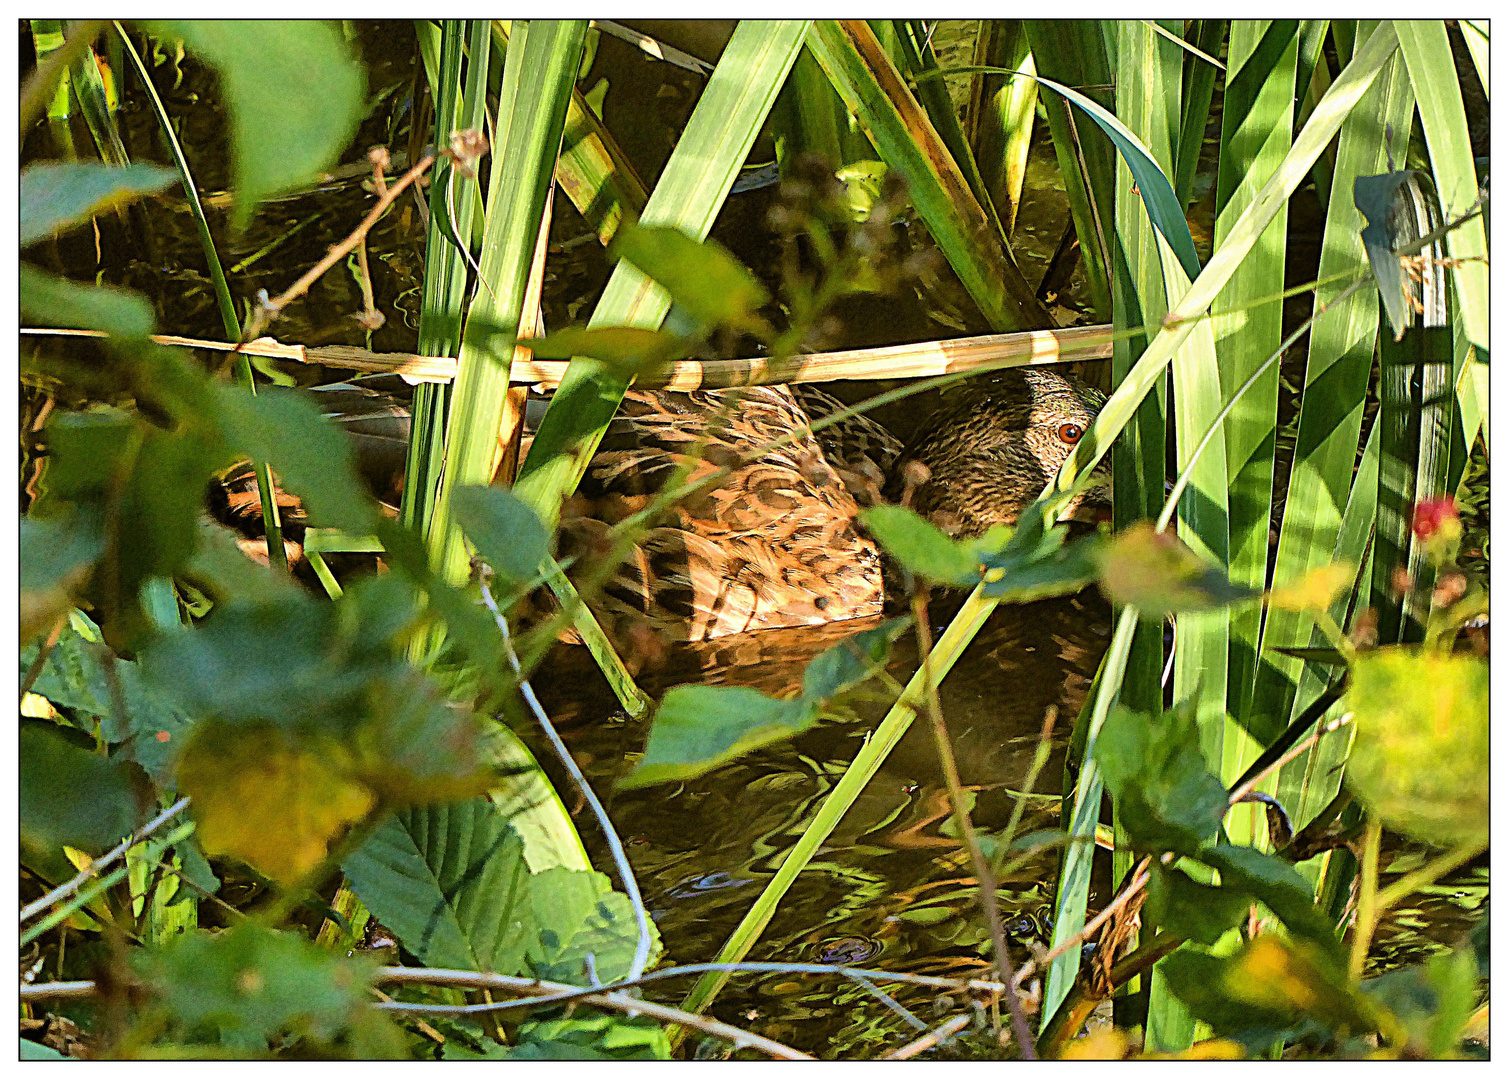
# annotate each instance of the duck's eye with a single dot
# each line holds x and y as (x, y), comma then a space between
(1070, 433)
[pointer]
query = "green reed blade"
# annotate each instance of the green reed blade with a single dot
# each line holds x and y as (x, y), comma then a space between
(910, 145)
(1256, 125)
(917, 58)
(1002, 110)
(271, 525)
(810, 118)
(592, 170)
(1339, 101)
(1320, 485)
(689, 194)
(1427, 55)
(1147, 372)
(457, 108)
(539, 71)
(1074, 52)
(1196, 89)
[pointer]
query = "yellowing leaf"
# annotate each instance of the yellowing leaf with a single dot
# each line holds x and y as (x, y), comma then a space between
(1420, 759)
(1107, 1044)
(272, 799)
(1316, 590)
(1157, 573)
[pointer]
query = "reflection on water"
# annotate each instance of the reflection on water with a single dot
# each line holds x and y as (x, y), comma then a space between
(892, 888)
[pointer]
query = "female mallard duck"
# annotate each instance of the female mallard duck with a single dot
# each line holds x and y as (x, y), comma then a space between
(778, 543)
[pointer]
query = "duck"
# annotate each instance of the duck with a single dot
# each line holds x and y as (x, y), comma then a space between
(779, 543)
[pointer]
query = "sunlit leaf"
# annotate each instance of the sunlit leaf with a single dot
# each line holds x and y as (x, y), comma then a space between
(57, 302)
(451, 881)
(701, 276)
(698, 728)
(275, 800)
(505, 529)
(630, 351)
(921, 546)
(851, 661)
(56, 195)
(577, 914)
(1419, 757)
(1316, 590)
(1157, 574)
(250, 984)
(1268, 990)
(294, 92)
(1166, 797)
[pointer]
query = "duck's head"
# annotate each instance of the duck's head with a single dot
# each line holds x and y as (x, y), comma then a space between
(993, 445)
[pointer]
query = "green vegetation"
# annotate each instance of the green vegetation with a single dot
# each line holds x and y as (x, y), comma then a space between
(240, 790)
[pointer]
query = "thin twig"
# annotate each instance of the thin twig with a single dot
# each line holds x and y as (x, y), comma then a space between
(620, 857)
(1132, 888)
(1238, 794)
(940, 1034)
(104, 860)
(618, 1001)
(271, 307)
(982, 869)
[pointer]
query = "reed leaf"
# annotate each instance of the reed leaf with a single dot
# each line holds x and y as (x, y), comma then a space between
(1256, 129)
(689, 194)
(458, 107)
(1073, 52)
(1320, 483)
(909, 144)
(1002, 110)
(539, 71)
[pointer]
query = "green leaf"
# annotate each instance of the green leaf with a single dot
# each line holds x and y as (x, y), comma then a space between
(312, 458)
(152, 732)
(629, 351)
(701, 276)
(1202, 913)
(294, 92)
(1375, 197)
(921, 546)
(1419, 757)
(577, 913)
(275, 800)
(56, 557)
(1158, 574)
(1165, 796)
(1280, 886)
(57, 302)
(590, 1035)
(451, 882)
(698, 728)
(851, 661)
(69, 794)
(1268, 991)
(250, 985)
(55, 195)
(505, 529)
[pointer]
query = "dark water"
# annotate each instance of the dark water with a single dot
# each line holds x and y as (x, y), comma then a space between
(892, 888)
